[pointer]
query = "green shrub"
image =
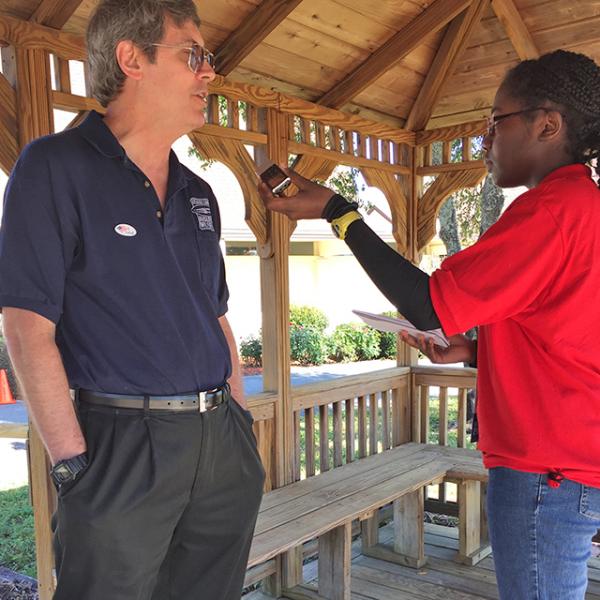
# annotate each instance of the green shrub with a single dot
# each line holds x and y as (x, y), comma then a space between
(308, 345)
(308, 316)
(387, 341)
(352, 341)
(251, 350)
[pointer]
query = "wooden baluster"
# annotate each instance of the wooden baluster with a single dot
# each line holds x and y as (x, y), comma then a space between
(427, 156)
(385, 151)
(373, 148)
(62, 74)
(385, 411)
(362, 145)
(252, 117)
(297, 448)
(443, 434)
(306, 131)
(373, 414)
(397, 416)
(467, 149)
(461, 439)
(233, 114)
(350, 442)
(309, 440)
(445, 153)
(349, 142)
(337, 140)
(320, 135)
(416, 416)
(337, 434)
(212, 111)
(424, 414)
(362, 427)
(292, 128)
(324, 437)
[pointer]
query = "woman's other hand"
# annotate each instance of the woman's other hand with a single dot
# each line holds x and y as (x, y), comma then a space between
(307, 203)
(461, 348)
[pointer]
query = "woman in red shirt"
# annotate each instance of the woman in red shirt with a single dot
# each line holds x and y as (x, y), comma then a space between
(532, 285)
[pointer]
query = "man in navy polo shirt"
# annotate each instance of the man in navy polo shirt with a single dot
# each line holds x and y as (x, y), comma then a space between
(113, 291)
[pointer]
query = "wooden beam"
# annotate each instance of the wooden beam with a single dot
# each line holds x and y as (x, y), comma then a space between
(54, 13)
(251, 33)
(432, 19)
(450, 167)
(444, 134)
(515, 28)
(454, 42)
(27, 35)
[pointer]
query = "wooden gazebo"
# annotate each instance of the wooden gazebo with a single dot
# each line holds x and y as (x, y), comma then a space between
(372, 85)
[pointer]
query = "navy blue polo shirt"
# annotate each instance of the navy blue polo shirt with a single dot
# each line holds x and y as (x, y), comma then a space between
(135, 291)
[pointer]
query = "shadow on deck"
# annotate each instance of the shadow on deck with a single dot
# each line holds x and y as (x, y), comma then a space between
(440, 579)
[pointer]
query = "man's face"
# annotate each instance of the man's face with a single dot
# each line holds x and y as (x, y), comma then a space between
(171, 88)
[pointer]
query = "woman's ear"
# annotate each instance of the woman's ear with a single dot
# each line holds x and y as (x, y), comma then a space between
(554, 126)
(128, 58)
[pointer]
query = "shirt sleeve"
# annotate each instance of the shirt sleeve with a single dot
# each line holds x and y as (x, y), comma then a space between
(35, 248)
(508, 270)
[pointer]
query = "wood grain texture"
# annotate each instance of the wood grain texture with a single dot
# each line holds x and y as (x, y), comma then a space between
(515, 28)
(430, 20)
(55, 13)
(253, 30)
(453, 44)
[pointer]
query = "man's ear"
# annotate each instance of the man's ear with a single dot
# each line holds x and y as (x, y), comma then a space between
(554, 124)
(128, 56)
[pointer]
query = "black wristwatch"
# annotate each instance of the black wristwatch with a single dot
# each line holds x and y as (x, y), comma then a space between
(69, 469)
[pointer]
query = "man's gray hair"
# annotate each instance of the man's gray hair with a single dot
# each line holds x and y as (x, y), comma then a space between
(142, 22)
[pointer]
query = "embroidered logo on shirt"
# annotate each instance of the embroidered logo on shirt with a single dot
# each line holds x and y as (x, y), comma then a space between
(201, 208)
(125, 230)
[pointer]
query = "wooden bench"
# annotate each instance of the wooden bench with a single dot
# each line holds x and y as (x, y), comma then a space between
(325, 506)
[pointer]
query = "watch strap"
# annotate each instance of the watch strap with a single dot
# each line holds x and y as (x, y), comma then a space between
(341, 224)
(69, 469)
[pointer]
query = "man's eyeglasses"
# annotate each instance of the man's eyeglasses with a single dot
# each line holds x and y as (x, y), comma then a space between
(198, 55)
(493, 121)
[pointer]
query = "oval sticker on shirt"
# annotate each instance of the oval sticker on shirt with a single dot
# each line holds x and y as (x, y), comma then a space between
(125, 230)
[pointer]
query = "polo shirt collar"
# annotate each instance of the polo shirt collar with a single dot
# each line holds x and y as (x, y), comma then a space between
(97, 133)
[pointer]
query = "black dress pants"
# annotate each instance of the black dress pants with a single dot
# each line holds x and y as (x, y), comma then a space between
(166, 509)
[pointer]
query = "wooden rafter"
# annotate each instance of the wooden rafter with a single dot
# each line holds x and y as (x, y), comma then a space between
(432, 19)
(8, 125)
(54, 13)
(453, 44)
(515, 28)
(429, 205)
(252, 32)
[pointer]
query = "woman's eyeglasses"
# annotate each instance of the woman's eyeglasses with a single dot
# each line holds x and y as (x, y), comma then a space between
(493, 121)
(198, 55)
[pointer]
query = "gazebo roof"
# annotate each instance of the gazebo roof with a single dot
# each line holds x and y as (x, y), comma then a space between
(415, 64)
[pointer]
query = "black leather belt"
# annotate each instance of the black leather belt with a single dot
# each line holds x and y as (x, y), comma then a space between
(198, 402)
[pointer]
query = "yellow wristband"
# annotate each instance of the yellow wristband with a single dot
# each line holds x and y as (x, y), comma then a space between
(341, 224)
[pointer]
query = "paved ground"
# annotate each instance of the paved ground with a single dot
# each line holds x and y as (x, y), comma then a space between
(13, 472)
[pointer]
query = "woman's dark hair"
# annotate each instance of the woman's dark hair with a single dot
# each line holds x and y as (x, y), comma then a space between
(571, 82)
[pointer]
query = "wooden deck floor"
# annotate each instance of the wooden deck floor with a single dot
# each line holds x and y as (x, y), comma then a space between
(440, 579)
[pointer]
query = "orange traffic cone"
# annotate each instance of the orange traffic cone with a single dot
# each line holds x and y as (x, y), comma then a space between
(6, 396)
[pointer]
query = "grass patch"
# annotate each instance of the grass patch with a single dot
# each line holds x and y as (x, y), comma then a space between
(17, 544)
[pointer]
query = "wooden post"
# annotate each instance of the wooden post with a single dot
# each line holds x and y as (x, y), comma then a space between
(471, 547)
(409, 528)
(334, 563)
(34, 119)
(274, 275)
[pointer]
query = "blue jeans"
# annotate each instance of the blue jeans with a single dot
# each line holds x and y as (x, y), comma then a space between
(541, 536)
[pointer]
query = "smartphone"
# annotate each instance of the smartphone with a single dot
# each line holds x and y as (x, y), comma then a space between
(276, 179)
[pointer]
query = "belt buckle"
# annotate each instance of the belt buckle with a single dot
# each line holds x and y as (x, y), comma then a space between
(202, 401)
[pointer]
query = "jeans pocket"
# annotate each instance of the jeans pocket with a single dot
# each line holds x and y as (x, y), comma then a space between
(589, 505)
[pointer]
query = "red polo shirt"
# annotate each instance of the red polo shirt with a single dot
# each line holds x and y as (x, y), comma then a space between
(532, 284)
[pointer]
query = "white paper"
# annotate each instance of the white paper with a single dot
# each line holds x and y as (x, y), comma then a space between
(393, 325)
